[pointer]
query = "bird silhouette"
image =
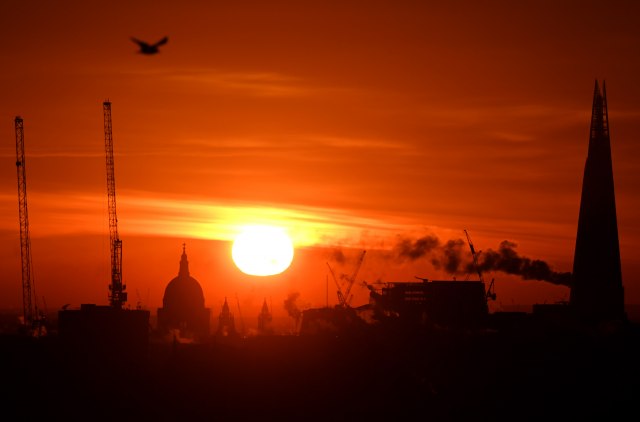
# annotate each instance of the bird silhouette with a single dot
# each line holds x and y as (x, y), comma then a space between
(146, 48)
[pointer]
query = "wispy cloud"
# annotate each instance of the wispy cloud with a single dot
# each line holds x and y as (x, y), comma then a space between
(266, 84)
(356, 142)
(512, 136)
(481, 114)
(301, 141)
(61, 213)
(208, 219)
(8, 152)
(260, 84)
(149, 214)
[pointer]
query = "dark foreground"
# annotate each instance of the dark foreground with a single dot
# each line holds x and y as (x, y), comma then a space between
(436, 376)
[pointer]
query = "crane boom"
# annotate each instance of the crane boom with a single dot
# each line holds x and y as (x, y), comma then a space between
(474, 255)
(341, 298)
(117, 293)
(344, 297)
(29, 302)
(490, 293)
(351, 280)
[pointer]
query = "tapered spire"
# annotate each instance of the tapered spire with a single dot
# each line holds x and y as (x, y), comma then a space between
(184, 263)
(264, 320)
(596, 291)
(599, 116)
(226, 324)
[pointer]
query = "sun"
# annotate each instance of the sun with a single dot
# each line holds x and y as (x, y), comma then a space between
(262, 250)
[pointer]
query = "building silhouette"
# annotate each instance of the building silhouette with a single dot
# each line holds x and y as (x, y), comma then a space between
(432, 303)
(104, 336)
(183, 305)
(226, 323)
(596, 291)
(264, 320)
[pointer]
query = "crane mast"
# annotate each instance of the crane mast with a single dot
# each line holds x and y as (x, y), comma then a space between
(344, 298)
(351, 280)
(341, 298)
(474, 255)
(490, 294)
(117, 293)
(30, 311)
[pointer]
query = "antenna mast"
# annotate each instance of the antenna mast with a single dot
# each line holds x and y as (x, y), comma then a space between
(117, 294)
(29, 301)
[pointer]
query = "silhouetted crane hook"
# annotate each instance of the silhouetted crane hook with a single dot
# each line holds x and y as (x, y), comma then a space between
(146, 48)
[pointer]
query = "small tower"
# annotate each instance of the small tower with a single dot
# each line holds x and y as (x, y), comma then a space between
(596, 291)
(264, 320)
(226, 324)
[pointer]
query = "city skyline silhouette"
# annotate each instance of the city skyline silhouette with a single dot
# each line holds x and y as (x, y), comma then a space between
(377, 139)
(433, 122)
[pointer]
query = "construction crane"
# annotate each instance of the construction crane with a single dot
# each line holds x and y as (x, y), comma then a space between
(351, 280)
(474, 255)
(117, 290)
(344, 297)
(32, 319)
(341, 300)
(490, 294)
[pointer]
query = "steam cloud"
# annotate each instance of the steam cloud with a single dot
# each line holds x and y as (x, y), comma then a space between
(291, 307)
(338, 256)
(416, 249)
(452, 257)
(507, 260)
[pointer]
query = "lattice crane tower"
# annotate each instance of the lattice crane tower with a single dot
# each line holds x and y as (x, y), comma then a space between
(29, 303)
(117, 293)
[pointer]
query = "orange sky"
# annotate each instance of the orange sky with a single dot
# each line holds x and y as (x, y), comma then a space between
(353, 124)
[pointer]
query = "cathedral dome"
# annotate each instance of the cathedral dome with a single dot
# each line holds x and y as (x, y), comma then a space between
(183, 305)
(183, 292)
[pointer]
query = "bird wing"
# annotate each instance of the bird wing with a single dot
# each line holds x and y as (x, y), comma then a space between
(140, 43)
(161, 42)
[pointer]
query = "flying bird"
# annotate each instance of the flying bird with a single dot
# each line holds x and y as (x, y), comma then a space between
(146, 48)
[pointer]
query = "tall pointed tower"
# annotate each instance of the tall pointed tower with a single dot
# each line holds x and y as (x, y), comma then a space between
(264, 320)
(226, 324)
(596, 291)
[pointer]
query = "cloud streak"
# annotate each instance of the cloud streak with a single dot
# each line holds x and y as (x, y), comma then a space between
(254, 83)
(143, 213)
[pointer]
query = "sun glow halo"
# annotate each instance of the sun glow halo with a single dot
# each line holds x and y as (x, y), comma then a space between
(262, 250)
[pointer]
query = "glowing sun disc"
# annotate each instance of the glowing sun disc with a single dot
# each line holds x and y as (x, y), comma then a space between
(262, 250)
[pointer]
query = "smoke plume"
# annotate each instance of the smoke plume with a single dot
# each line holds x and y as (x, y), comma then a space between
(507, 260)
(406, 248)
(454, 256)
(338, 256)
(291, 306)
(451, 257)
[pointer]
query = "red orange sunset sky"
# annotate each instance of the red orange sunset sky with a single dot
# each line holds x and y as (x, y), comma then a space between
(352, 124)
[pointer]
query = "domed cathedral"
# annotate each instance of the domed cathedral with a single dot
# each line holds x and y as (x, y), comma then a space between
(183, 305)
